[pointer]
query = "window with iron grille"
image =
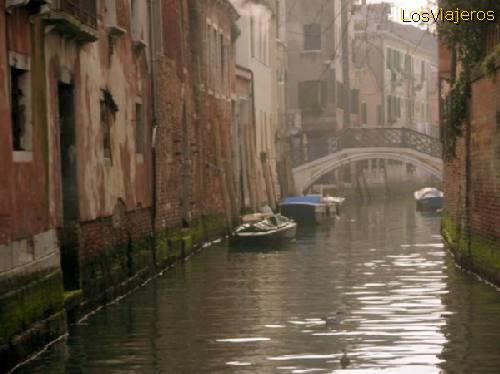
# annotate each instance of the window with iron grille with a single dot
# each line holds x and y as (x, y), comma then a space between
(20, 93)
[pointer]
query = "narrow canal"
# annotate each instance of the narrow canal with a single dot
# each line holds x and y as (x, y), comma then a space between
(403, 308)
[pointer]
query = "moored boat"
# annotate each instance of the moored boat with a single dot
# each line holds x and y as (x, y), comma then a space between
(311, 208)
(429, 198)
(266, 227)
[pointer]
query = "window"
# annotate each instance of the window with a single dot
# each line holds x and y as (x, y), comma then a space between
(213, 59)
(389, 109)
(340, 95)
(333, 85)
(20, 93)
(135, 11)
(393, 59)
(108, 109)
(208, 40)
(364, 115)
(157, 24)
(139, 129)
(355, 101)
(111, 12)
(252, 36)
(397, 60)
(312, 95)
(422, 70)
(222, 54)
(408, 64)
(312, 37)
(393, 108)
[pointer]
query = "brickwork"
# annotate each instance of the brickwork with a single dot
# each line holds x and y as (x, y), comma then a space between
(472, 200)
(193, 149)
(76, 213)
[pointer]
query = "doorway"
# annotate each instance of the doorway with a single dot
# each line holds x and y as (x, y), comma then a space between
(69, 186)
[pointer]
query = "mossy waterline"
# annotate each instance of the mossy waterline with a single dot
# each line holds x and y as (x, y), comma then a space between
(475, 252)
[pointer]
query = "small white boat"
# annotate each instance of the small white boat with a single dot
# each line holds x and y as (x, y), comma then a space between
(272, 227)
(429, 198)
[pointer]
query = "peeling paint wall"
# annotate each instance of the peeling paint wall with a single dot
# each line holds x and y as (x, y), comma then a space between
(94, 67)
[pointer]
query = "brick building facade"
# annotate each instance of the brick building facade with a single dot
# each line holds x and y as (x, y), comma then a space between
(115, 151)
(471, 223)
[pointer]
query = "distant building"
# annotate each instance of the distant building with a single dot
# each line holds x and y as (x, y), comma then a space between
(320, 97)
(395, 67)
(396, 70)
(257, 51)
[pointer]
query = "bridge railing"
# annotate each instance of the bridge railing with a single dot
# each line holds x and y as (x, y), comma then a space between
(316, 148)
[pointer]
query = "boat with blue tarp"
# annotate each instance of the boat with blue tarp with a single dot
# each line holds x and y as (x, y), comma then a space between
(311, 208)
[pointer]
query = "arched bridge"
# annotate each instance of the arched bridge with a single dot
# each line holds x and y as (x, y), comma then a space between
(321, 156)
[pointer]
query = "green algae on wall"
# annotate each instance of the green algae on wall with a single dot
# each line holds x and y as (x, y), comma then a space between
(35, 301)
(480, 254)
(178, 242)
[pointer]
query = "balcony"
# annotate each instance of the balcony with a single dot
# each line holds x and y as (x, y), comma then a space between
(74, 19)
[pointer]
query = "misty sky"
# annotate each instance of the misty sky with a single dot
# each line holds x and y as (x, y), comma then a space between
(405, 4)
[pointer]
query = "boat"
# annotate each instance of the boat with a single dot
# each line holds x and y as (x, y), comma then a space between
(257, 227)
(311, 208)
(429, 198)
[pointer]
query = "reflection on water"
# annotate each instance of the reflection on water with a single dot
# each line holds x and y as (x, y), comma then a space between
(377, 284)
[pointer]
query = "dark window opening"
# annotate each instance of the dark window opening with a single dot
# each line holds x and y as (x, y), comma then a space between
(312, 95)
(312, 37)
(408, 64)
(355, 101)
(20, 107)
(340, 95)
(139, 129)
(108, 111)
(333, 86)
(364, 115)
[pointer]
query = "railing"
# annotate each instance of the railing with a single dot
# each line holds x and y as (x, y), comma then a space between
(83, 10)
(366, 138)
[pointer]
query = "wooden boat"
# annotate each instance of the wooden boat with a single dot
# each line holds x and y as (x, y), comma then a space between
(271, 227)
(311, 208)
(429, 199)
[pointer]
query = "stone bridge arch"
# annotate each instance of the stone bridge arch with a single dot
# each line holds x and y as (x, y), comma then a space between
(317, 157)
(307, 174)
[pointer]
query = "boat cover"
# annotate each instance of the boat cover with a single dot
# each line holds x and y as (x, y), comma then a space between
(308, 200)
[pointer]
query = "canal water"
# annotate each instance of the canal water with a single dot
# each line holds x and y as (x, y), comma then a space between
(399, 305)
